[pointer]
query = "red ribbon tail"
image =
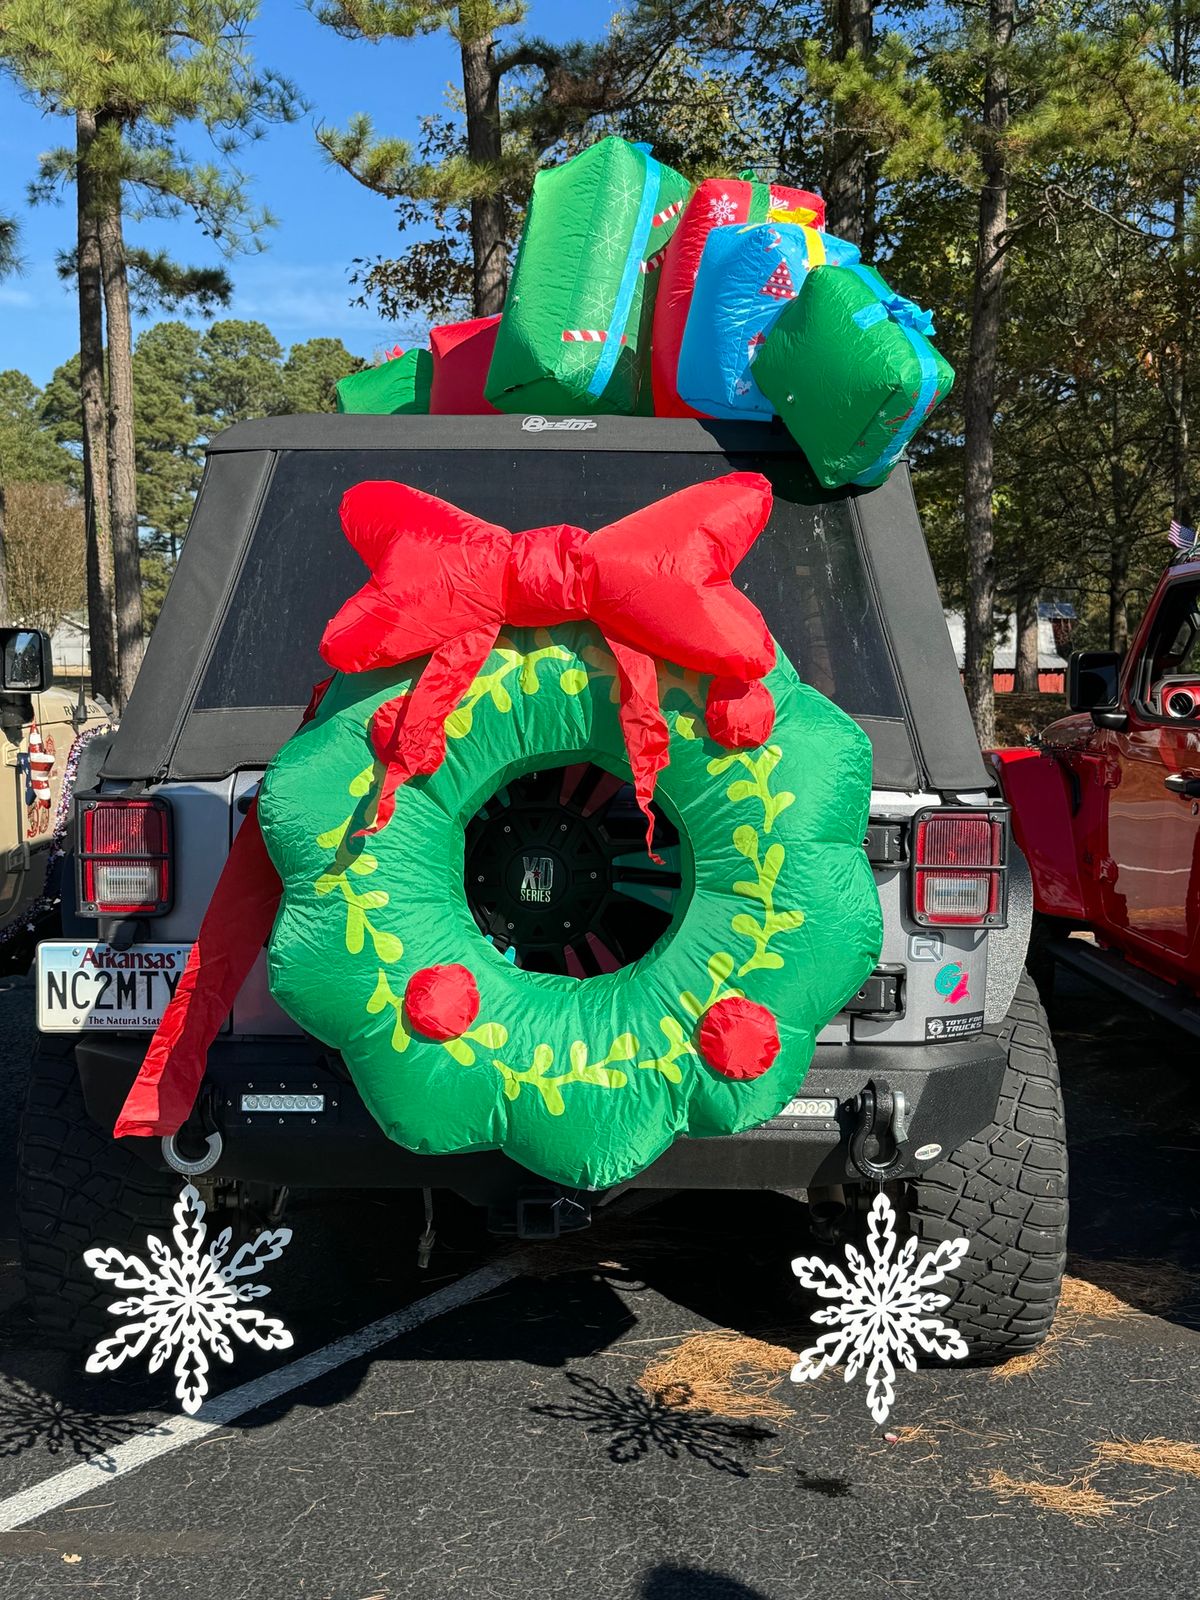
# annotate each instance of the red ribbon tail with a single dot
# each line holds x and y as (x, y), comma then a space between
(643, 727)
(235, 928)
(409, 733)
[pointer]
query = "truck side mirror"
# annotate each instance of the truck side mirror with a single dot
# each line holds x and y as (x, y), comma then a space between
(1093, 679)
(24, 660)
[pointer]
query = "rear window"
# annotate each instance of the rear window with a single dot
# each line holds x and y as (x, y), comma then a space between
(804, 572)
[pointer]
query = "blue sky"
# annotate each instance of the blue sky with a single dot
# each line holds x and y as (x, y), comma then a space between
(298, 285)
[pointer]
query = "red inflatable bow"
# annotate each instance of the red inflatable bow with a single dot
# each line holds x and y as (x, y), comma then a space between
(656, 584)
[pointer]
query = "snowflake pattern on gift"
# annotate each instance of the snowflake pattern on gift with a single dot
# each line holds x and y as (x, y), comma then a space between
(188, 1303)
(722, 210)
(882, 1309)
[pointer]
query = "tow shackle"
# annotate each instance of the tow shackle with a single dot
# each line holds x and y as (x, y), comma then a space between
(881, 1115)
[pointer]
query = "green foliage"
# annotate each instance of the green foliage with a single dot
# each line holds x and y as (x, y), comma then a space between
(188, 385)
(239, 373)
(30, 451)
(311, 373)
(157, 569)
(10, 233)
(145, 69)
(524, 101)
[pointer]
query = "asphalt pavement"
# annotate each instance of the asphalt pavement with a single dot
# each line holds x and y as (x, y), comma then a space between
(484, 1427)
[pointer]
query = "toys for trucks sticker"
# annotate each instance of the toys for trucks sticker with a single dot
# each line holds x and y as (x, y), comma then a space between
(954, 1025)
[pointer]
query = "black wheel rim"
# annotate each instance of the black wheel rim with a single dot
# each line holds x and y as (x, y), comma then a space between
(558, 876)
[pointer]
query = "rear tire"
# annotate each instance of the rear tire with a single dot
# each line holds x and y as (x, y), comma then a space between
(1006, 1190)
(76, 1187)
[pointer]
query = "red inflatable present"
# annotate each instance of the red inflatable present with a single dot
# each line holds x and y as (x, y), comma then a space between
(462, 354)
(716, 203)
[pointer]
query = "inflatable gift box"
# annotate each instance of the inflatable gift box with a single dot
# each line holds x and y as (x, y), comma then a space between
(399, 387)
(576, 324)
(717, 203)
(850, 369)
(462, 352)
(747, 277)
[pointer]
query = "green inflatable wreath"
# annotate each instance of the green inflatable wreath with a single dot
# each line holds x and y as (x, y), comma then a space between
(584, 1081)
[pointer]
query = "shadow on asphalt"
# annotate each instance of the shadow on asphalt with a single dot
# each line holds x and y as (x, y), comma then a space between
(1132, 1094)
(634, 1423)
(694, 1583)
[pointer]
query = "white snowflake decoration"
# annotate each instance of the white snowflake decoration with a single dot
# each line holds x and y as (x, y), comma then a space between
(188, 1302)
(880, 1310)
(722, 210)
(610, 240)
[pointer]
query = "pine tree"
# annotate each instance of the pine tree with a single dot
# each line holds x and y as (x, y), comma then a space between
(132, 71)
(517, 103)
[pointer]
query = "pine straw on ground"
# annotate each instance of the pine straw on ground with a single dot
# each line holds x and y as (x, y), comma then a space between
(726, 1373)
(1159, 1455)
(1079, 1499)
(1076, 1499)
(1125, 1289)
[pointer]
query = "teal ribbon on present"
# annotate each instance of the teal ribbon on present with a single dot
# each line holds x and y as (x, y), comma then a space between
(611, 348)
(916, 325)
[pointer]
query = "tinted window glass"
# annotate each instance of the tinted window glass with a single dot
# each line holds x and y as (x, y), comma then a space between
(804, 572)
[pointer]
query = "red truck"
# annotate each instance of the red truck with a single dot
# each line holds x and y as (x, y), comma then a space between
(1106, 809)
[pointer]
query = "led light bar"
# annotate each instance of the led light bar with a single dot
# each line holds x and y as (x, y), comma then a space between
(810, 1107)
(282, 1102)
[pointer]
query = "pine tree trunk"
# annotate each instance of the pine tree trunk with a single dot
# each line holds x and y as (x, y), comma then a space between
(101, 640)
(1181, 495)
(1182, 28)
(846, 196)
(979, 401)
(1118, 596)
(127, 567)
(489, 247)
(1025, 673)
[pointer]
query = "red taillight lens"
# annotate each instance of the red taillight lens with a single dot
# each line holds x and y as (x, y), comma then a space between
(959, 867)
(125, 857)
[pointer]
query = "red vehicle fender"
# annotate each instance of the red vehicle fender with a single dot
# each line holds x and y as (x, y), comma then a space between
(1037, 787)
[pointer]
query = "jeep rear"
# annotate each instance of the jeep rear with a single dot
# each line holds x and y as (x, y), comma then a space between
(937, 1078)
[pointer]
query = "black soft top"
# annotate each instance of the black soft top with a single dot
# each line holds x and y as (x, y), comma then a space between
(842, 578)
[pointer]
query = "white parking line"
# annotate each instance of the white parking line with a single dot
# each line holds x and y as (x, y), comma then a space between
(100, 1470)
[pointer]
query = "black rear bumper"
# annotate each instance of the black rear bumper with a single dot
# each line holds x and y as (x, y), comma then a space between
(951, 1091)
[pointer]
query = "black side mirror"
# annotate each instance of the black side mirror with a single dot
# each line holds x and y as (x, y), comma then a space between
(24, 660)
(1093, 681)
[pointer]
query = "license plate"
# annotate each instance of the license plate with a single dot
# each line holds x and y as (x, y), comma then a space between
(82, 985)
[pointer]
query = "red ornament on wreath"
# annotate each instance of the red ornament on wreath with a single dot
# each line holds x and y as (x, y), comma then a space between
(739, 1038)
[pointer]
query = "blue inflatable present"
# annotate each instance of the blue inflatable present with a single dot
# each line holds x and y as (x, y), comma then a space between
(747, 277)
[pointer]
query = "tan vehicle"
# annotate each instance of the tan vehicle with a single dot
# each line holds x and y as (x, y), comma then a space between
(39, 723)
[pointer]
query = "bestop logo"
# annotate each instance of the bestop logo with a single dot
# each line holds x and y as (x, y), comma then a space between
(556, 424)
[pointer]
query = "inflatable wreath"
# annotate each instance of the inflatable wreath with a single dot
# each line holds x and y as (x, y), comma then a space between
(472, 657)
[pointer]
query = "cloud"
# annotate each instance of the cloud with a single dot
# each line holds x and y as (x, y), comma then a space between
(309, 299)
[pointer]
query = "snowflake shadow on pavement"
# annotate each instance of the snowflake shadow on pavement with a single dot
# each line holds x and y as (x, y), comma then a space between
(695, 1583)
(635, 1421)
(32, 1419)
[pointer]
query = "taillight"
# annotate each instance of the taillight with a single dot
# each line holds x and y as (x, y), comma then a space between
(124, 854)
(959, 867)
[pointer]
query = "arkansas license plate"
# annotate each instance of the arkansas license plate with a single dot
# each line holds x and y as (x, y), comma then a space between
(83, 985)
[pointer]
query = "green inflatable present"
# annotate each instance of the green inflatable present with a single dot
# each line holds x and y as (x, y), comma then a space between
(395, 388)
(575, 332)
(849, 367)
